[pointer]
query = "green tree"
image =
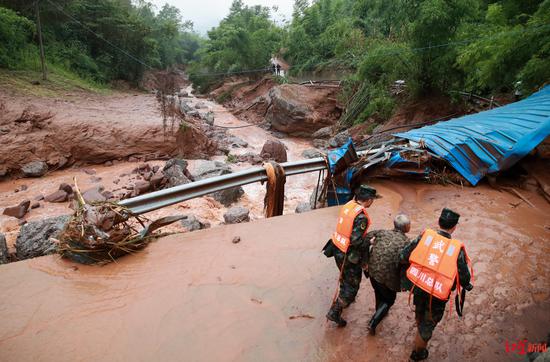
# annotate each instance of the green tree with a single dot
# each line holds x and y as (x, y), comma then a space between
(16, 33)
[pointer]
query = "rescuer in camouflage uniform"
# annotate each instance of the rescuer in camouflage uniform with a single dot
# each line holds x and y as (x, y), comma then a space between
(381, 263)
(351, 261)
(429, 311)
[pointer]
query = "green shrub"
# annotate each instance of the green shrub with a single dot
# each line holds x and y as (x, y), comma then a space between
(231, 158)
(16, 34)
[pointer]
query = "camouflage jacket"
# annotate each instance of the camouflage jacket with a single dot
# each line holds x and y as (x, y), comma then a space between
(383, 259)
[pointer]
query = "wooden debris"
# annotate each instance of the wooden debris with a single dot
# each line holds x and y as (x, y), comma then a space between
(515, 192)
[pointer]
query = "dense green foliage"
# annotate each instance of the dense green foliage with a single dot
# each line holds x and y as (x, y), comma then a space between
(101, 40)
(16, 33)
(435, 45)
(244, 40)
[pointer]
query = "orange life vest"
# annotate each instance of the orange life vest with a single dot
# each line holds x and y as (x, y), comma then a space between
(433, 265)
(344, 226)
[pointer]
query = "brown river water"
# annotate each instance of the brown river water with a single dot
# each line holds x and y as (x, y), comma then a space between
(206, 208)
(197, 296)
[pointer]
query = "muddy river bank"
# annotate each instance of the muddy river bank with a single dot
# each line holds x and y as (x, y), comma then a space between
(197, 296)
(115, 177)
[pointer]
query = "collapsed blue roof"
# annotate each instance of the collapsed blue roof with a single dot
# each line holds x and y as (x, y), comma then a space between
(489, 141)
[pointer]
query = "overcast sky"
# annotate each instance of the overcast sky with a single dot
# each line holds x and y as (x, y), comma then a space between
(206, 14)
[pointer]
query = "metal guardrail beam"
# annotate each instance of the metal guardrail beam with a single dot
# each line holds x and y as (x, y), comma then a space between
(162, 198)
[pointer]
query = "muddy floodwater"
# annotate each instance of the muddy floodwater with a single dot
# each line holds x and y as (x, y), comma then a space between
(116, 177)
(199, 297)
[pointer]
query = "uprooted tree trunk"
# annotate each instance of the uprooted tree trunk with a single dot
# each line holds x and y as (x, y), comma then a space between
(100, 232)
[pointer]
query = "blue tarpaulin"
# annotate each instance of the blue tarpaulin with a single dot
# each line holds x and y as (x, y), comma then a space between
(489, 141)
(339, 161)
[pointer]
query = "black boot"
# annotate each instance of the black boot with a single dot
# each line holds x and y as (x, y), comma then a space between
(335, 313)
(377, 318)
(420, 355)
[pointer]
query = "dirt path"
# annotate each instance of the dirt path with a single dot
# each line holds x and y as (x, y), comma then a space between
(199, 297)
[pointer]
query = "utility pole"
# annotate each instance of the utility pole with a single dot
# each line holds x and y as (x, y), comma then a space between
(39, 26)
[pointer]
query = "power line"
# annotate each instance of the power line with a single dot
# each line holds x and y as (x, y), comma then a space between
(265, 69)
(100, 36)
(397, 52)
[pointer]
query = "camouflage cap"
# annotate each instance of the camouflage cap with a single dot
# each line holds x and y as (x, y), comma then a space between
(365, 192)
(449, 215)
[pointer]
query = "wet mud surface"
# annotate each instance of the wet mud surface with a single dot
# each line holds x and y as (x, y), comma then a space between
(141, 109)
(197, 296)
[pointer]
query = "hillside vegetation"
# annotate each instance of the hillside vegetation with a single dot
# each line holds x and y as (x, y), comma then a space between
(99, 40)
(435, 46)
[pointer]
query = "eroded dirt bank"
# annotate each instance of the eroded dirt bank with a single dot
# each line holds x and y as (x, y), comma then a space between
(82, 129)
(116, 177)
(197, 296)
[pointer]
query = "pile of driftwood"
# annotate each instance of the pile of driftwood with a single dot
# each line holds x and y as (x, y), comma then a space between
(100, 232)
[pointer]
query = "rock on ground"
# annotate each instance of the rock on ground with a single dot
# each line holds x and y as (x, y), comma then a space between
(192, 223)
(319, 143)
(303, 207)
(300, 110)
(176, 173)
(3, 249)
(141, 187)
(274, 150)
(324, 132)
(339, 139)
(18, 211)
(237, 214)
(312, 153)
(34, 238)
(35, 169)
(94, 195)
(209, 118)
(251, 158)
(237, 142)
(228, 196)
(57, 196)
(205, 169)
(67, 188)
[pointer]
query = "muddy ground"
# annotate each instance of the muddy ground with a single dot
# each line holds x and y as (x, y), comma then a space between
(136, 117)
(197, 296)
(82, 128)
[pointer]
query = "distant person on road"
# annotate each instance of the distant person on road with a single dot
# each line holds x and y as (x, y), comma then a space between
(437, 264)
(381, 263)
(278, 69)
(346, 247)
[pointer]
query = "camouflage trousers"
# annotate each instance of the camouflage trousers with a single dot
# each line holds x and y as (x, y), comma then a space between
(428, 316)
(350, 280)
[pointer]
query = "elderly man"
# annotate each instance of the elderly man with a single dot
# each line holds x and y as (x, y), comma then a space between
(382, 262)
